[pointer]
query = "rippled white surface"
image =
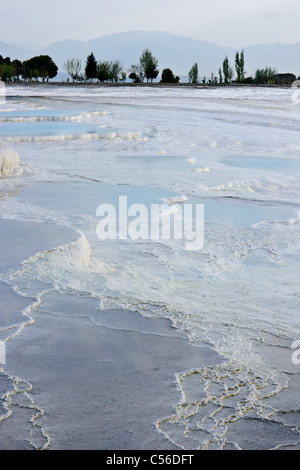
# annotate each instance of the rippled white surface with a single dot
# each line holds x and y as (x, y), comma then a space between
(237, 151)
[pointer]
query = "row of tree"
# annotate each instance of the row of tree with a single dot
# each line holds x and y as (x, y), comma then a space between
(226, 73)
(42, 67)
(37, 67)
(147, 68)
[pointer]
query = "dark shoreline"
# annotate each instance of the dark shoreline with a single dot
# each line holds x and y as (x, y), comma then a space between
(153, 85)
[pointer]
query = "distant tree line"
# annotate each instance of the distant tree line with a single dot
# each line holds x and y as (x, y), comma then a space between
(226, 75)
(37, 67)
(113, 71)
(43, 67)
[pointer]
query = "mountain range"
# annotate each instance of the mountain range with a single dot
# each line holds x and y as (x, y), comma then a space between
(176, 52)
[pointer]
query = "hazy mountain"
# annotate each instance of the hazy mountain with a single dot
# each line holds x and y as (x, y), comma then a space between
(14, 52)
(174, 51)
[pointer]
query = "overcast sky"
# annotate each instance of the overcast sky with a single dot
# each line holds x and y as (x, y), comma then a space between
(235, 23)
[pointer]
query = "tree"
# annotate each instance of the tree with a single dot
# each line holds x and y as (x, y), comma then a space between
(240, 66)
(39, 66)
(48, 69)
(133, 76)
(116, 69)
(27, 72)
(167, 76)
(5, 69)
(73, 68)
(91, 67)
(220, 75)
(10, 69)
(263, 76)
(36, 74)
(6, 72)
(149, 65)
(136, 73)
(104, 71)
(193, 74)
(227, 70)
(17, 68)
(5, 60)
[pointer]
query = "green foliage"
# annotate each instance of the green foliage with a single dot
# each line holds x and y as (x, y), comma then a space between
(103, 71)
(227, 71)
(248, 80)
(40, 66)
(43, 67)
(17, 67)
(5, 69)
(91, 67)
(167, 76)
(264, 76)
(6, 72)
(193, 74)
(133, 76)
(116, 69)
(37, 67)
(110, 71)
(220, 75)
(240, 66)
(149, 64)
